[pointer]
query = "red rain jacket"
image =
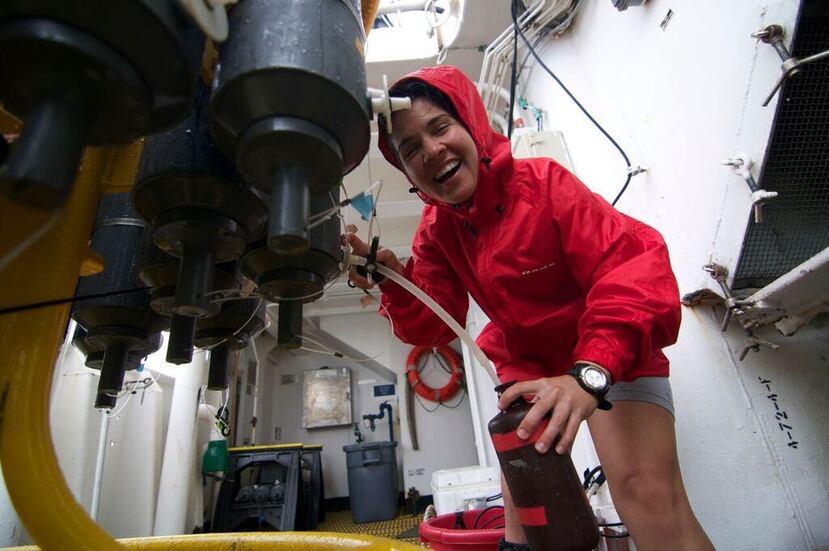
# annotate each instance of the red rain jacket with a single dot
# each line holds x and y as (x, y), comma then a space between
(562, 275)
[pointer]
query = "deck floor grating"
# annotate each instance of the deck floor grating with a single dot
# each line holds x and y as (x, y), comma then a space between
(403, 528)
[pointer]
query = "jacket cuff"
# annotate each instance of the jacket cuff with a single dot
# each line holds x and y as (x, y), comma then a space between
(612, 350)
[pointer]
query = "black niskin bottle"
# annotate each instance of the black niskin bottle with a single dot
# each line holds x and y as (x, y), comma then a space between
(549, 499)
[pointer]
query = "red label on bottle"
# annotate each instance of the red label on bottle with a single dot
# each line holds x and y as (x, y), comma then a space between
(532, 516)
(509, 441)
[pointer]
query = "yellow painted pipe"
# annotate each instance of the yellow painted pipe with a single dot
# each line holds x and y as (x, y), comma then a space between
(46, 270)
(254, 541)
(369, 9)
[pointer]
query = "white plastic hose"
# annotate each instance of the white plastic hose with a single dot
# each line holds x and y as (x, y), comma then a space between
(437, 309)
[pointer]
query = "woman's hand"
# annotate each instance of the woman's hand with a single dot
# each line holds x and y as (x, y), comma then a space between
(563, 396)
(361, 248)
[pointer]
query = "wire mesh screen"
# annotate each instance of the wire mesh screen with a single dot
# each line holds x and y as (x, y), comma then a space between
(796, 223)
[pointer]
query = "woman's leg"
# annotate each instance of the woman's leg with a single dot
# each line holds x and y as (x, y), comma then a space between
(512, 527)
(636, 444)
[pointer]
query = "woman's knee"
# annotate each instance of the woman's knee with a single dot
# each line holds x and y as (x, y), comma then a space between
(644, 489)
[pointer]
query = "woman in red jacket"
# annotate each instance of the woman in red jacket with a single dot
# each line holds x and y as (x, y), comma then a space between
(579, 297)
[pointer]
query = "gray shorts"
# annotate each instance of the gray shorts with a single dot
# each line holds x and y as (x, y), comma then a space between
(656, 390)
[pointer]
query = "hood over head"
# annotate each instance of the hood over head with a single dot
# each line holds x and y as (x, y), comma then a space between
(465, 99)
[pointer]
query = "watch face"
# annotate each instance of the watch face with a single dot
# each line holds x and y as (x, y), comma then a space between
(594, 378)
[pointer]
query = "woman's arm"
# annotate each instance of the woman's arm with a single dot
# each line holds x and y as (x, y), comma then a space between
(631, 294)
(413, 321)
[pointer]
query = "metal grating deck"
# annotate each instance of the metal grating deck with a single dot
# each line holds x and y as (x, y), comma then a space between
(796, 222)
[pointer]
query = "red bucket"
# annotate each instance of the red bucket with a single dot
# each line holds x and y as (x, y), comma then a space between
(477, 530)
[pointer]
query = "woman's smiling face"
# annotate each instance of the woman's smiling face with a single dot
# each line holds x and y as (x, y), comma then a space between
(437, 152)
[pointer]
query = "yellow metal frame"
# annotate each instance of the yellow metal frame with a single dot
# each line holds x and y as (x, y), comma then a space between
(263, 447)
(48, 269)
(254, 541)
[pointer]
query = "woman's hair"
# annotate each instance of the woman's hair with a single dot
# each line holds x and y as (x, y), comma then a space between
(415, 89)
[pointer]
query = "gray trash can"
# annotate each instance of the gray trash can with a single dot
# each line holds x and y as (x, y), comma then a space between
(372, 480)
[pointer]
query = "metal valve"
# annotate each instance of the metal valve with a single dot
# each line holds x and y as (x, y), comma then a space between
(774, 34)
(759, 196)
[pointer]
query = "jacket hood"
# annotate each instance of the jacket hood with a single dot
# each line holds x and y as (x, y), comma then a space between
(464, 96)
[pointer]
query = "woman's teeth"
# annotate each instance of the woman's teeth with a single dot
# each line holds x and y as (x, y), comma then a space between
(448, 171)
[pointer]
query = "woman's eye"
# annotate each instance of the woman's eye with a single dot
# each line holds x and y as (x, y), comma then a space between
(440, 129)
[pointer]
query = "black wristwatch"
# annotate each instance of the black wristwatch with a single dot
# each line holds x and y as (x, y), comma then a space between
(593, 380)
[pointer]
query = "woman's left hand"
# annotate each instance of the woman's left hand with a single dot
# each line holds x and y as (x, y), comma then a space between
(563, 396)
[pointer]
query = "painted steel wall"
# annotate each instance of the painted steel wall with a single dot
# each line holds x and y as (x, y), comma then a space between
(445, 436)
(679, 100)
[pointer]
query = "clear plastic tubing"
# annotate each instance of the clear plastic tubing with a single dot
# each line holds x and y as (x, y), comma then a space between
(437, 309)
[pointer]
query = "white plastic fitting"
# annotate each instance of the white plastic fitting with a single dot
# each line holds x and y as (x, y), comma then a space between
(210, 16)
(382, 104)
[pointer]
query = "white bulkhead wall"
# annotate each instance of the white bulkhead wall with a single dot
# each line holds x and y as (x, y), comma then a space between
(445, 436)
(679, 98)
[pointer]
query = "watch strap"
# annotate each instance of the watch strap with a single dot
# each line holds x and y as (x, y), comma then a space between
(575, 372)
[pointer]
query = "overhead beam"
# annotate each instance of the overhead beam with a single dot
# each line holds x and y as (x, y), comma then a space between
(334, 343)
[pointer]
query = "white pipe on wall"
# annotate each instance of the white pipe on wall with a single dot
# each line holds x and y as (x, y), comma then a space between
(252, 348)
(99, 466)
(180, 449)
(10, 526)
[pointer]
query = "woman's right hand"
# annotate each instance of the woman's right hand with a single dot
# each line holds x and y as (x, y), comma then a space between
(361, 248)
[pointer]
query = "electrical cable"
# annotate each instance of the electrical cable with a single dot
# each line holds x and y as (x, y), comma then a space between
(483, 511)
(123, 405)
(487, 523)
(541, 36)
(69, 300)
(250, 318)
(330, 352)
(579, 105)
(514, 78)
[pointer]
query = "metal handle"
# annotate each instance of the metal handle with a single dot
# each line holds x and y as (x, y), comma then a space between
(754, 343)
(732, 307)
(773, 35)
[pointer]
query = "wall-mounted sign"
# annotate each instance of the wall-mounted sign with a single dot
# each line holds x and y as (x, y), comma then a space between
(384, 390)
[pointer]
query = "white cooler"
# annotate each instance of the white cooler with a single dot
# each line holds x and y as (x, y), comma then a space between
(465, 488)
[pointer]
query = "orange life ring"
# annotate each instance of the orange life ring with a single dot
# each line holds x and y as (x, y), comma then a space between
(434, 394)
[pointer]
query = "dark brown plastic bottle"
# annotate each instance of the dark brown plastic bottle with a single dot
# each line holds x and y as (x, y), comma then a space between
(548, 495)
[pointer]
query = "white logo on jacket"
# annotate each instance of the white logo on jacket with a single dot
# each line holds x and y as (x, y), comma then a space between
(534, 270)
